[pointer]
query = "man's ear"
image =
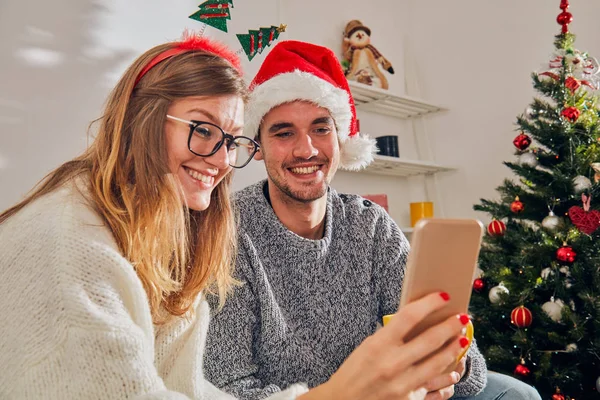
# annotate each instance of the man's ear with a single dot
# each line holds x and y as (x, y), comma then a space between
(258, 155)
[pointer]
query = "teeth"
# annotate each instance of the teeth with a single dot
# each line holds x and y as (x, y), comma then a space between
(305, 170)
(197, 175)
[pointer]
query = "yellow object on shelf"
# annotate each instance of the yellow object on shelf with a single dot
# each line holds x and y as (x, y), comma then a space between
(422, 209)
(468, 334)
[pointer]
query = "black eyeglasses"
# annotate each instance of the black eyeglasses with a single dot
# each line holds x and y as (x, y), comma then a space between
(206, 139)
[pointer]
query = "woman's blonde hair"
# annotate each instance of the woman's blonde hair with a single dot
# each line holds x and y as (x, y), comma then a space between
(176, 252)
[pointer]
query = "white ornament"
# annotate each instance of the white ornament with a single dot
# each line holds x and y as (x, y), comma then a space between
(581, 184)
(547, 272)
(571, 348)
(495, 293)
(553, 309)
(478, 273)
(568, 283)
(529, 112)
(565, 270)
(552, 222)
(598, 384)
(528, 159)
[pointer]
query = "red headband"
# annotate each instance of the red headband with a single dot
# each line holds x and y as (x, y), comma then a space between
(191, 42)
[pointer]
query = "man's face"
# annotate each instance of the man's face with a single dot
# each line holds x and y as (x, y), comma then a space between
(299, 145)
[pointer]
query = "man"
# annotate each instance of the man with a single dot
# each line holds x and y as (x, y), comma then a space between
(319, 269)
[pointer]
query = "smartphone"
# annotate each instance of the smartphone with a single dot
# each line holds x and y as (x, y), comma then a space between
(443, 258)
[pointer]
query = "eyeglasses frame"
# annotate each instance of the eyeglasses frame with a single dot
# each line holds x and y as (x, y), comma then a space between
(193, 124)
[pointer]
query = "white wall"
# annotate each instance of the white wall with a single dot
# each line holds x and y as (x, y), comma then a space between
(60, 58)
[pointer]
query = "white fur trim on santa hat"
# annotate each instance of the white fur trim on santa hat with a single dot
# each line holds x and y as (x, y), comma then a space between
(356, 151)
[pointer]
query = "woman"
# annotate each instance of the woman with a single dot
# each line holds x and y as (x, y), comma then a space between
(103, 265)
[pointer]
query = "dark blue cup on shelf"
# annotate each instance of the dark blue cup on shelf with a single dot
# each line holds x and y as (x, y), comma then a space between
(388, 146)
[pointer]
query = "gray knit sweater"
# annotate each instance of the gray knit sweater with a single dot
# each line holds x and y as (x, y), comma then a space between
(305, 305)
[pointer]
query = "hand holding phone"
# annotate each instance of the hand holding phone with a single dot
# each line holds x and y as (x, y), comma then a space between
(443, 258)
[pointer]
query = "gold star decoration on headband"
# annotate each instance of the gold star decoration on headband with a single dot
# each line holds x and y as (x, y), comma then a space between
(282, 28)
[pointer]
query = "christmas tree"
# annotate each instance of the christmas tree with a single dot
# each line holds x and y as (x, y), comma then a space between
(255, 41)
(214, 13)
(536, 300)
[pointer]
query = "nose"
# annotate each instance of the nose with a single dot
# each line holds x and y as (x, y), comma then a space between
(304, 147)
(220, 159)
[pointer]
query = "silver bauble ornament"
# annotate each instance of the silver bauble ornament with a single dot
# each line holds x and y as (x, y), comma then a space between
(495, 293)
(581, 184)
(552, 222)
(528, 159)
(598, 384)
(553, 309)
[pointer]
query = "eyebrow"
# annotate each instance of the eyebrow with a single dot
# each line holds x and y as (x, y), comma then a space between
(207, 114)
(323, 120)
(214, 119)
(283, 125)
(278, 126)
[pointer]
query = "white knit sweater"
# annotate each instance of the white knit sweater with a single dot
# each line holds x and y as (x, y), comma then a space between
(75, 320)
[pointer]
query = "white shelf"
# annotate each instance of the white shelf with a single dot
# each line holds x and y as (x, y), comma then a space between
(394, 166)
(380, 101)
(406, 230)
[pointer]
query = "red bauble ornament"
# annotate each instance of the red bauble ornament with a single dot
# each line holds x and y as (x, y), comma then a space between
(564, 18)
(521, 317)
(516, 206)
(566, 254)
(496, 228)
(522, 141)
(478, 284)
(558, 395)
(522, 370)
(571, 113)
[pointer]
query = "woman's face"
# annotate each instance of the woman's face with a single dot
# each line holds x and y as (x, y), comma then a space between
(200, 175)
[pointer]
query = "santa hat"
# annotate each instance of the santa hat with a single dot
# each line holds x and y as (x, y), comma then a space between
(302, 71)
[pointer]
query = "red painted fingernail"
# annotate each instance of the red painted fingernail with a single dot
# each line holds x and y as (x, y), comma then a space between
(464, 342)
(464, 319)
(445, 296)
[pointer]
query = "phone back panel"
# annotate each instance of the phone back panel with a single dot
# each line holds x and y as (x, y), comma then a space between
(443, 258)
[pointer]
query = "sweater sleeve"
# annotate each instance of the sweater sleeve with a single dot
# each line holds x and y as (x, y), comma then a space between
(229, 360)
(390, 249)
(390, 253)
(97, 338)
